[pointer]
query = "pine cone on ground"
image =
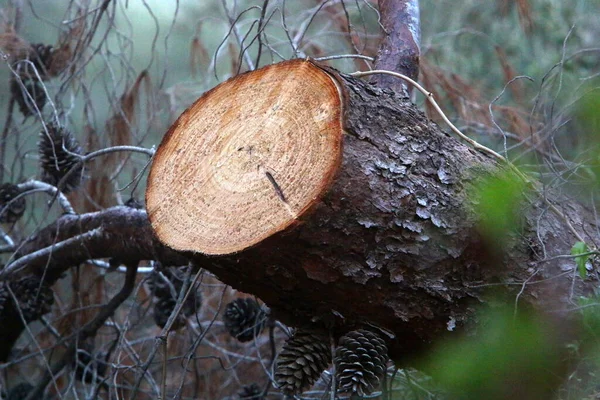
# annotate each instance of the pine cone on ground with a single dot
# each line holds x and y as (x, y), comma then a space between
(360, 362)
(251, 392)
(59, 152)
(244, 319)
(11, 210)
(34, 299)
(302, 360)
(19, 392)
(163, 308)
(36, 91)
(165, 300)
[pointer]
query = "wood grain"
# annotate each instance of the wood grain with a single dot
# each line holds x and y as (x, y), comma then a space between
(247, 159)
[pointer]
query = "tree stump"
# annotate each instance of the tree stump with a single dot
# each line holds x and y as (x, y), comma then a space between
(246, 160)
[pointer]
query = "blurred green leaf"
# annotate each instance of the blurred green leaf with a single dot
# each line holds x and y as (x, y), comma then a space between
(588, 113)
(590, 311)
(588, 120)
(497, 201)
(580, 248)
(583, 381)
(511, 357)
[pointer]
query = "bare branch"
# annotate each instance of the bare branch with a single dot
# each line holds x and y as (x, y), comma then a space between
(33, 185)
(88, 331)
(121, 232)
(399, 51)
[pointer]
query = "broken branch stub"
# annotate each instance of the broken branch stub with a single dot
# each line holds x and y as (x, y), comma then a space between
(247, 159)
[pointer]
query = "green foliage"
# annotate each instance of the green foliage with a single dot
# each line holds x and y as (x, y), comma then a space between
(589, 113)
(510, 357)
(582, 383)
(497, 202)
(588, 123)
(410, 384)
(590, 313)
(579, 250)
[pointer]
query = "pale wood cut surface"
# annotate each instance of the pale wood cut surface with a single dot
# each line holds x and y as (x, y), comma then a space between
(246, 159)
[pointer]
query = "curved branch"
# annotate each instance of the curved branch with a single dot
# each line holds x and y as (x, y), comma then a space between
(47, 252)
(33, 186)
(89, 330)
(121, 232)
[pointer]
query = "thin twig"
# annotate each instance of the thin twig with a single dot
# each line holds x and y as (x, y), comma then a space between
(88, 331)
(3, 140)
(341, 56)
(238, 36)
(33, 185)
(108, 150)
(183, 295)
(260, 29)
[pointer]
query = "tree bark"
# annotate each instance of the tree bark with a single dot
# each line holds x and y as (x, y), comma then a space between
(392, 244)
(399, 50)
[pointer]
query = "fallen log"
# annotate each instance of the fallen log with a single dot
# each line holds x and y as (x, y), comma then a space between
(380, 233)
(385, 237)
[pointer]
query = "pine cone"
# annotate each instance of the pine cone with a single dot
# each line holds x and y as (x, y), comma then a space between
(36, 91)
(360, 361)
(244, 319)
(59, 152)
(11, 210)
(251, 392)
(301, 361)
(41, 57)
(164, 299)
(34, 299)
(19, 392)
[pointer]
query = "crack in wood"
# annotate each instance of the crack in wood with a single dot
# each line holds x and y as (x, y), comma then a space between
(276, 186)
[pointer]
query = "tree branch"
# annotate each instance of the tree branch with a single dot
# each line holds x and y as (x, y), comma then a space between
(121, 232)
(399, 50)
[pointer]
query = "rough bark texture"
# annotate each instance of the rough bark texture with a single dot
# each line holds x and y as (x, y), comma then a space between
(399, 51)
(393, 243)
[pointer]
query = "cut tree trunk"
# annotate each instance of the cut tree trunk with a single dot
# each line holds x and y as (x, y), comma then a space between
(389, 242)
(247, 159)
